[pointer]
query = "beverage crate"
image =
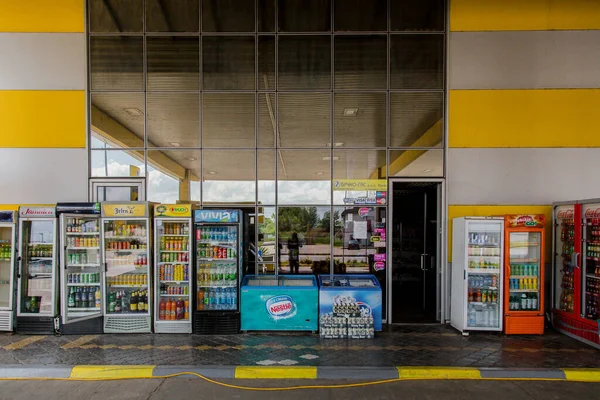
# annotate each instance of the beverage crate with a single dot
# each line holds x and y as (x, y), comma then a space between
(333, 327)
(346, 326)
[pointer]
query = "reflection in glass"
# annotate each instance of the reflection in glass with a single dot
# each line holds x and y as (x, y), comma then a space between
(116, 63)
(416, 119)
(304, 62)
(304, 239)
(173, 119)
(266, 63)
(172, 174)
(360, 15)
(417, 62)
(266, 176)
(304, 119)
(228, 63)
(416, 163)
(229, 176)
(417, 15)
(304, 177)
(228, 120)
(117, 120)
(304, 15)
(172, 15)
(116, 16)
(117, 163)
(228, 15)
(361, 62)
(360, 120)
(173, 63)
(358, 164)
(267, 135)
(267, 241)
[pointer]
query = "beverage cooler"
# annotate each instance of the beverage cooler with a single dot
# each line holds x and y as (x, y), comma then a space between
(576, 270)
(126, 239)
(8, 237)
(81, 268)
(37, 288)
(172, 255)
(477, 273)
(524, 274)
(219, 262)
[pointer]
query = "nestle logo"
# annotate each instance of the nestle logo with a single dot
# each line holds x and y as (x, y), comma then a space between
(280, 307)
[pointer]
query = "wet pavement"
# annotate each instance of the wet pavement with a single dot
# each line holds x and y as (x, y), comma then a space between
(436, 345)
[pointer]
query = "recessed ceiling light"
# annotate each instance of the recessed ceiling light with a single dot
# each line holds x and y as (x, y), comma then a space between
(350, 112)
(175, 144)
(337, 144)
(212, 172)
(192, 159)
(428, 170)
(135, 112)
(327, 158)
(319, 173)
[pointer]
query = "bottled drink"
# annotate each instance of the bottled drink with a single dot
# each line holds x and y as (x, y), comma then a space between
(133, 302)
(179, 312)
(172, 311)
(206, 297)
(71, 302)
(161, 308)
(186, 309)
(78, 299)
(97, 298)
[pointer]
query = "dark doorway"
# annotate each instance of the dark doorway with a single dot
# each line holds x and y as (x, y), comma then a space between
(415, 258)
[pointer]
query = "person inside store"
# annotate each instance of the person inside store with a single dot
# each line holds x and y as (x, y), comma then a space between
(293, 246)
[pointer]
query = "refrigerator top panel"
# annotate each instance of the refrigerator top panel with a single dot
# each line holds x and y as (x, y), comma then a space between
(525, 221)
(349, 281)
(37, 212)
(137, 209)
(7, 217)
(564, 211)
(297, 281)
(78, 208)
(217, 216)
(173, 210)
(591, 211)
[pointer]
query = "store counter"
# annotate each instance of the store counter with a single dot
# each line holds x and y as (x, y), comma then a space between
(351, 294)
(279, 303)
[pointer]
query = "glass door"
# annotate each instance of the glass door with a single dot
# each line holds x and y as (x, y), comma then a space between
(525, 269)
(484, 274)
(173, 292)
(564, 235)
(36, 289)
(82, 279)
(125, 243)
(7, 235)
(217, 267)
(591, 266)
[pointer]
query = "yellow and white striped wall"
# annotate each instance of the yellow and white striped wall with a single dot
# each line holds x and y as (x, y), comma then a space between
(43, 156)
(524, 95)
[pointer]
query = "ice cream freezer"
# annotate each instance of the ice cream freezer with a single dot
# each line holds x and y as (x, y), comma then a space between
(351, 294)
(279, 303)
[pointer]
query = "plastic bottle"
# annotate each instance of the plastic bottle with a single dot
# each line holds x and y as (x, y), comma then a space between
(162, 307)
(471, 316)
(179, 312)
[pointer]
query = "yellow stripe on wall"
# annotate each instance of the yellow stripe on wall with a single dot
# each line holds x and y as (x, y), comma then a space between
(524, 118)
(44, 118)
(490, 211)
(524, 15)
(42, 16)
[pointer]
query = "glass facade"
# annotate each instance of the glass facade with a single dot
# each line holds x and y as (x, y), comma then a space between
(263, 104)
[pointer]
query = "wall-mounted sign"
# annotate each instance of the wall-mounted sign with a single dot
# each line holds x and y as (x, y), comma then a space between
(124, 210)
(173, 210)
(375, 239)
(379, 266)
(373, 185)
(360, 230)
(379, 257)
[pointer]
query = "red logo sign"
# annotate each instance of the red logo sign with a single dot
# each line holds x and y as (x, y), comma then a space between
(589, 213)
(36, 212)
(565, 214)
(525, 220)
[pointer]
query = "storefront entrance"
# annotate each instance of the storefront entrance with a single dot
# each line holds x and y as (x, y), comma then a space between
(415, 251)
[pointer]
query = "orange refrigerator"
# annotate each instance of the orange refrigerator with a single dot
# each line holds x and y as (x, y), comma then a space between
(524, 274)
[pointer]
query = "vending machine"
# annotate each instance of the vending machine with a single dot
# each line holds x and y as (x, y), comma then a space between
(219, 262)
(126, 240)
(477, 273)
(524, 274)
(81, 268)
(172, 256)
(8, 236)
(37, 274)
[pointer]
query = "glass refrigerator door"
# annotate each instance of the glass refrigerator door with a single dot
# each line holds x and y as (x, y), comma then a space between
(524, 263)
(36, 288)
(126, 256)
(217, 267)
(590, 306)
(484, 252)
(565, 274)
(173, 273)
(7, 235)
(82, 279)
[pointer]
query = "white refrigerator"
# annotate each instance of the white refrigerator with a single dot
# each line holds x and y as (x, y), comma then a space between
(477, 274)
(7, 268)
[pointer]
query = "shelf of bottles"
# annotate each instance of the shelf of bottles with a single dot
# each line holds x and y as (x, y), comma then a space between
(484, 250)
(126, 252)
(6, 268)
(174, 271)
(524, 270)
(37, 267)
(592, 269)
(566, 273)
(217, 268)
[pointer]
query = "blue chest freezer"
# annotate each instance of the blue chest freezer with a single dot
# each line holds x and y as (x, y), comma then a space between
(279, 303)
(351, 294)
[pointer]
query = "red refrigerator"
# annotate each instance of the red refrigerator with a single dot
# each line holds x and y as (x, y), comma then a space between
(576, 270)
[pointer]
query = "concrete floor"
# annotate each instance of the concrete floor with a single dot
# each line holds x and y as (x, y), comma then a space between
(192, 388)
